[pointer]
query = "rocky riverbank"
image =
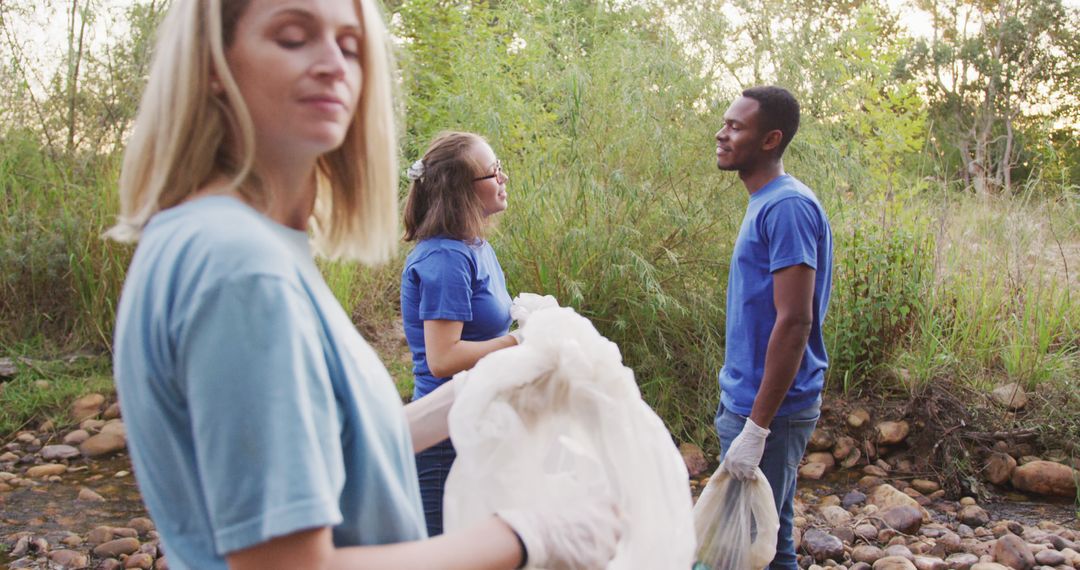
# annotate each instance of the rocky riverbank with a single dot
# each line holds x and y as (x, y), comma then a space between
(69, 501)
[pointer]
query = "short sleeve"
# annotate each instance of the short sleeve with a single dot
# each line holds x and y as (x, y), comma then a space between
(445, 283)
(263, 412)
(792, 226)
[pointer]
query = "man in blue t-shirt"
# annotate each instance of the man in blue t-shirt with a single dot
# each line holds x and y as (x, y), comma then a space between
(778, 292)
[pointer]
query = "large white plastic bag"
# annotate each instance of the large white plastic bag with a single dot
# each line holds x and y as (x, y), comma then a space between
(559, 419)
(728, 514)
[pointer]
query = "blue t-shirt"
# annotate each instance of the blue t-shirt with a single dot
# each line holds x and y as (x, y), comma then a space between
(254, 407)
(784, 225)
(450, 280)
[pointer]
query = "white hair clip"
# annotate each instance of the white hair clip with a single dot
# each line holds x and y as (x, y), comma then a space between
(416, 171)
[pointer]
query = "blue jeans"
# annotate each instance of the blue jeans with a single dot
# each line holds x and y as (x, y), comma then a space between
(784, 449)
(432, 467)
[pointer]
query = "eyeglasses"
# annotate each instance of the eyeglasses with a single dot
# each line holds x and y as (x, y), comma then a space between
(499, 175)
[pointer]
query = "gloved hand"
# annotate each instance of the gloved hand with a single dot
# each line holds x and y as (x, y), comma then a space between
(526, 304)
(584, 538)
(746, 451)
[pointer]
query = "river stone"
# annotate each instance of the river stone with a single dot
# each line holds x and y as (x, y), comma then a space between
(852, 459)
(1010, 396)
(140, 560)
(853, 498)
(103, 444)
(899, 549)
(999, 468)
(820, 440)
(8, 457)
(113, 411)
(866, 531)
(835, 516)
(892, 433)
(87, 407)
(925, 486)
(858, 418)
(1046, 478)
(904, 518)
(869, 482)
(988, 566)
(829, 501)
(822, 545)
(867, 553)
(861, 566)
(47, 470)
(114, 426)
(694, 458)
(109, 564)
(89, 496)
(161, 564)
(886, 496)
(69, 559)
(961, 560)
(76, 437)
(142, 525)
(843, 447)
(7, 368)
(100, 535)
(125, 532)
(55, 452)
(1050, 558)
(930, 563)
(875, 471)
(894, 563)
(812, 471)
(91, 425)
(1011, 550)
(973, 515)
(823, 457)
(116, 548)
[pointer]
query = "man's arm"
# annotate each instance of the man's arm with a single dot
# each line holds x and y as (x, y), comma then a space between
(793, 296)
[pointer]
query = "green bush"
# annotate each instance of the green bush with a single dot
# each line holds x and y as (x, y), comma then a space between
(880, 275)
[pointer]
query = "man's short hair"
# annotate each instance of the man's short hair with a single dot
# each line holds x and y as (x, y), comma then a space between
(779, 110)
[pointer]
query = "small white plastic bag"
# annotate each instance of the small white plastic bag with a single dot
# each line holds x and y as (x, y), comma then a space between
(558, 420)
(735, 523)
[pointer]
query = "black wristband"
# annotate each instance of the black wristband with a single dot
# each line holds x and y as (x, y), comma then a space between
(524, 551)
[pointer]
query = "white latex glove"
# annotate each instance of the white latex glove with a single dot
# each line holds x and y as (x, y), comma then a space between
(584, 538)
(745, 454)
(526, 304)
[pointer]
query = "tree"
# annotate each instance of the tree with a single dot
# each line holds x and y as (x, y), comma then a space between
(990, 64)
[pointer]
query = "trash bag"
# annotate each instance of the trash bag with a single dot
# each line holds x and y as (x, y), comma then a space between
(558, 419)
(735, 523)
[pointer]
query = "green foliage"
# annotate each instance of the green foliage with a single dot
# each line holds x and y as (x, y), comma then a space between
(879, 276)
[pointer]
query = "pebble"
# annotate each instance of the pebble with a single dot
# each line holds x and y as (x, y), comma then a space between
(55, 452)
(89, 496)
(117, 547)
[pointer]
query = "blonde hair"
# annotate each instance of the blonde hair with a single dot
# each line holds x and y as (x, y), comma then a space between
(441, 201)
(179, 139)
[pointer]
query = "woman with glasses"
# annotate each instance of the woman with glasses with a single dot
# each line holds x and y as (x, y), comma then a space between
(264, 431)
(454, 302)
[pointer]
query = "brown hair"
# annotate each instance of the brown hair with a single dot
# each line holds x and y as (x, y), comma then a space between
(441, 201)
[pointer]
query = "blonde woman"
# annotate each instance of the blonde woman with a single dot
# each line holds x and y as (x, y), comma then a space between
(263, 430)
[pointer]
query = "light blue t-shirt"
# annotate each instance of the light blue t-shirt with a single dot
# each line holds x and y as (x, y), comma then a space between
(254, 408)
(784, 225)
(448, 279)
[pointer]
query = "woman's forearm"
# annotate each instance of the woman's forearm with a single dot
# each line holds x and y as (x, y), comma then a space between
(488, 545)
